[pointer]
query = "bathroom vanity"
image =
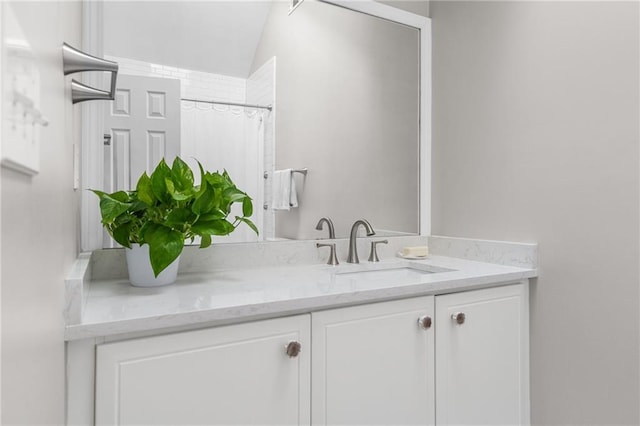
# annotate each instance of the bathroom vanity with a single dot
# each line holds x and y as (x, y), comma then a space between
(437, 341)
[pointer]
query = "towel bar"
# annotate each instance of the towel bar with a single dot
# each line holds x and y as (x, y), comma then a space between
(74, 60)
(303, 171)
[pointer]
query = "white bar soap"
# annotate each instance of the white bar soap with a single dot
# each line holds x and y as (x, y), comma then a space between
(422, 251)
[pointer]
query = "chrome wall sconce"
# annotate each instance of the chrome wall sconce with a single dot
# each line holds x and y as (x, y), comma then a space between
(74, 60)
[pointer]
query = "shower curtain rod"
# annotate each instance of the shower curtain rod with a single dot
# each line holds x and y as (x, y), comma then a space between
(268, 107)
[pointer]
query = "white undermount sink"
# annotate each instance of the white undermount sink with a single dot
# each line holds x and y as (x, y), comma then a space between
(396, 272)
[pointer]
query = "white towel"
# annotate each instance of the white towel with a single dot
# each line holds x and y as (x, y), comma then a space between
(284, 190)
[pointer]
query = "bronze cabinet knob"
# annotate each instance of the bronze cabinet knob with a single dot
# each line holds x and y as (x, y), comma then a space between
(293, 349)
(425, 322)
(459, 317)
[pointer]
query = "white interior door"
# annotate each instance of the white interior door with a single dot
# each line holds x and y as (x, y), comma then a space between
(144, 125)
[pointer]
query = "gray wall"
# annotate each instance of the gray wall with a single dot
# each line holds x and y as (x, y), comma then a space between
(39, 234)
(419, 7)
(535, 138)
(347, 105)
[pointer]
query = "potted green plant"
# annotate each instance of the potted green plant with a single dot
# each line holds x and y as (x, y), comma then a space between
(165, 210)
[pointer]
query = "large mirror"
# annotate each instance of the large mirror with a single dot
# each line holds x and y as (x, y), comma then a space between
(329, 92)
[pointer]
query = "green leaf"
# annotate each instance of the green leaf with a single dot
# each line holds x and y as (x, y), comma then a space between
(171, 188)
(213, 227)
(205, 241)
(203, 179)
(146, 228)
(165, 245)
(159, 181)
(175, 194)
(121, 234)
(213, 215)
(205, 200)
(177, 218)
(110, 208)
(122, 219)
(138, 206)
(247, 207)
(182, 174)
(145, 193)
(248, 222)
(215, 179)
(234, 195)
(227, 178)
(121, 196)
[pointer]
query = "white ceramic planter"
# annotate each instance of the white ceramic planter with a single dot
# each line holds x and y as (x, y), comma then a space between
(140, 271)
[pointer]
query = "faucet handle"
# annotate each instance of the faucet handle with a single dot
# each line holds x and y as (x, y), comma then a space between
(333, 259)
(373, 256)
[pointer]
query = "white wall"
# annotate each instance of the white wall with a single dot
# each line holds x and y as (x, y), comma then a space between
(39, 234)
(193, 84)
(536, 138)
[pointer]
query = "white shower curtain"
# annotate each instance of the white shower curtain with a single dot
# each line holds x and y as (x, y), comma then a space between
(230, 138)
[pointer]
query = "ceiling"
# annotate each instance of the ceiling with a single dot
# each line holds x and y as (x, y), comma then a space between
(220, 37)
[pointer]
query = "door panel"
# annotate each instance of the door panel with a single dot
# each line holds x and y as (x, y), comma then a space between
(373, 365)
(233, 375)
(482, 360)
(144, 124)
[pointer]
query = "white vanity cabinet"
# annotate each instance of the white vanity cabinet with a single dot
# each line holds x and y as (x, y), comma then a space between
(450, 359)
(453, 359)
(482, 357)
(373, 364)
(238, 374)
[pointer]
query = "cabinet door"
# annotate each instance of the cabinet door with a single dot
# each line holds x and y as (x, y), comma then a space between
(373, 364)
(482, 357)
(232, 375)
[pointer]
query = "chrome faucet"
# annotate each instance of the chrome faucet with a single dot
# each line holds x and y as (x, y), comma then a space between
(353, 248)
(332, 232)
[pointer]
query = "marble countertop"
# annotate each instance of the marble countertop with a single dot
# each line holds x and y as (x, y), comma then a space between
(222, 296)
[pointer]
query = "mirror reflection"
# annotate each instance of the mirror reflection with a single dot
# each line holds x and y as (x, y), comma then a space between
(330, 91)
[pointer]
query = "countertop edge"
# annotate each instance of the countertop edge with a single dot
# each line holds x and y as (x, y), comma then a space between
(294, 306)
